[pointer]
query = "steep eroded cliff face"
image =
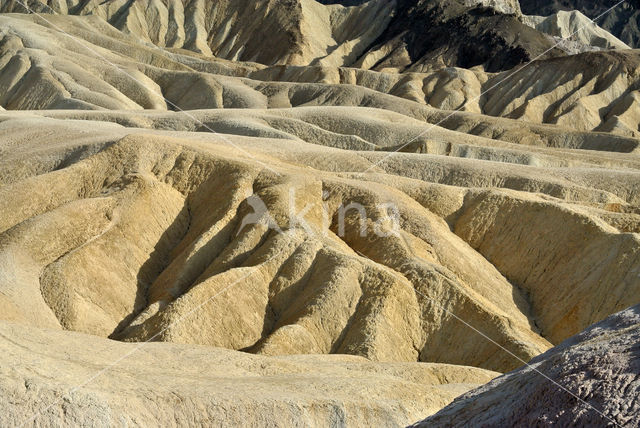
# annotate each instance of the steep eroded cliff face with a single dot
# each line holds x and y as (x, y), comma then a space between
(394, 35)
(432, 34)
(265, 31)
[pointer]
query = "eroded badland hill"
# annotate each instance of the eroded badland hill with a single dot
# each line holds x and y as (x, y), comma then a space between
(295, 213)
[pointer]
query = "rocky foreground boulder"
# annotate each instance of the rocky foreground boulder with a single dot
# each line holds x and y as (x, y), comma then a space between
(591, 379)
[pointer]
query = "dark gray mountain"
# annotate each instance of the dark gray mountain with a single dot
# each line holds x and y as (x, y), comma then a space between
(455, 34)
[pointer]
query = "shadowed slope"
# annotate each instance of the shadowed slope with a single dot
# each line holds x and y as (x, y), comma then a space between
(596, 383)
(43, 68)
(172, 238)
(376, 34)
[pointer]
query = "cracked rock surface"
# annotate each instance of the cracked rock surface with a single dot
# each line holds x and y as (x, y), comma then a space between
(590, 379)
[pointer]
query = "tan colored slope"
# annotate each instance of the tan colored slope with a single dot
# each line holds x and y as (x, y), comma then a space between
(595, 178)
(64, 378)
(163, 218)
(269, 32)
(548, 246)
(621, 21)
(42, 68)
(147, 253)
(308, 31)
(606, 80)
(589, 176)
(71, 65)
(576, 27)
(594, 91)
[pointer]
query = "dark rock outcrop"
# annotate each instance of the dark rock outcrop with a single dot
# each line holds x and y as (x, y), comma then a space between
(591, 379)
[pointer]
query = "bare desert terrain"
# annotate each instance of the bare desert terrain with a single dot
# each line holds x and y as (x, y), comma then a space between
(319, 213)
